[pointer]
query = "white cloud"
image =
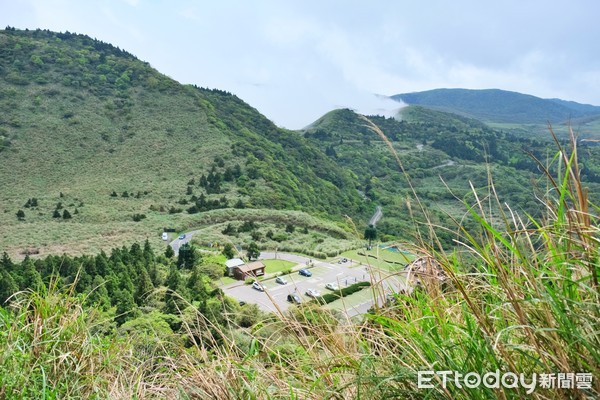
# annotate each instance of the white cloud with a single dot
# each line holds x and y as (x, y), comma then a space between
(294, 61)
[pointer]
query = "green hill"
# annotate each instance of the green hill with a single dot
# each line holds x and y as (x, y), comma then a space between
(500, 106)
(441, 155)
(88, 128)
(98, 149)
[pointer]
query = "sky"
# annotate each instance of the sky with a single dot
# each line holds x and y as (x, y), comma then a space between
(296, 60)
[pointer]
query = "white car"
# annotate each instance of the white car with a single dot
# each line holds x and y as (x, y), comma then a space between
(332, 286)
(165, 236)
(258, 286)
(312, 293)
(281, 280)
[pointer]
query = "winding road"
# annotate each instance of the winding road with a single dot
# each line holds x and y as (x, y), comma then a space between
(376, 217)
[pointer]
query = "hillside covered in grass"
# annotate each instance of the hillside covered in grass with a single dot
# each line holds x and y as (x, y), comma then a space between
(88, 129)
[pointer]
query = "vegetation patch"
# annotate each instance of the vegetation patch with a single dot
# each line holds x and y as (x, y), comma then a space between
(347, 291)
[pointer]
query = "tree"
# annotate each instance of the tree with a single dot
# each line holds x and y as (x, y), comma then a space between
(370, 234)
(187, 257)
(66, 214)
(290, 228)
(6, 263)
(144, 287)
(56, 214)
(228, 251)
(173, 300)
(229, 230)
(20, 215)
(169, 252)
(196, 286)
(252, 251)
(123, 300)
(31, 277)
(256, 235)
(8, 286)
(99, 293)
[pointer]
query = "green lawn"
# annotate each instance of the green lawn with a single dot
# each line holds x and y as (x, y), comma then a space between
(352, 300)
(277, 265)
(380, 258)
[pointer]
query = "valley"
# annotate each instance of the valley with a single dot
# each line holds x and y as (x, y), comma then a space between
(165, 240)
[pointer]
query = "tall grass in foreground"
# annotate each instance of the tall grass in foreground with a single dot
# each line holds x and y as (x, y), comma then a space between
(52, 347)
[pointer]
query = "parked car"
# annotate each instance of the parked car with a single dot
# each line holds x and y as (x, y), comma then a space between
(294, 298)
(258, 286)
(281, 280)
(165, 236)
(312, 293)
(305, 272)
(332, 286)
(181, 237)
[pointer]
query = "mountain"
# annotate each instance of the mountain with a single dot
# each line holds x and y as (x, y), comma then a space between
(98, 149)
(88, 128)
(436, 157)
(500, 106)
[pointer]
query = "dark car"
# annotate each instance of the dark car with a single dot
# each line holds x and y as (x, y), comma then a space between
(305, 272)
(294, 298)
(181, 237)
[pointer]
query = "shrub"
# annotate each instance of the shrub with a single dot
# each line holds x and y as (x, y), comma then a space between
(138, 217)
(347, 291)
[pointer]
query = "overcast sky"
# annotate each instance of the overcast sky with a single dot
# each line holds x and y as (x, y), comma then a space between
(296, 60)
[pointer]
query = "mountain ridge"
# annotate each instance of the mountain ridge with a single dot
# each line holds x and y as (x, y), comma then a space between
(501, 106)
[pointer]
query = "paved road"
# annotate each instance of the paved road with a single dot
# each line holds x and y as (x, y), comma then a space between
(376, 217)
(177, 243)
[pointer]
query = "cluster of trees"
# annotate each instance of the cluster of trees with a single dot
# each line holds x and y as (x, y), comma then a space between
(65, 213)
(291, 173)
(74, 60)
(119, 283)
(213, 184)
(126, 194)
(213, 181)
(202, 204)
(33, 203)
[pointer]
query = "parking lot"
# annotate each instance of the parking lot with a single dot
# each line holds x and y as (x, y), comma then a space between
(275, 295)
